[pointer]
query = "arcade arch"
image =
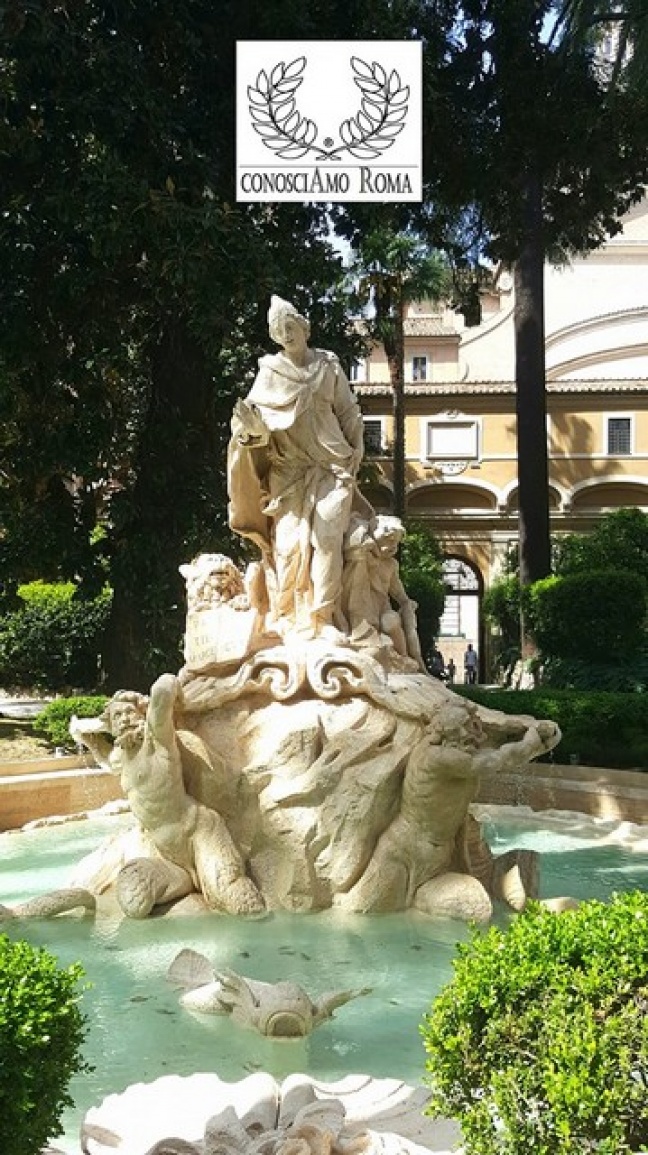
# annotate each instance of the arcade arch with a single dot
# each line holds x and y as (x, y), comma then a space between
(461, 621)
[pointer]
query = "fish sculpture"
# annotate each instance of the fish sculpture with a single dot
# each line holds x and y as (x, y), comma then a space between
(281, 1010)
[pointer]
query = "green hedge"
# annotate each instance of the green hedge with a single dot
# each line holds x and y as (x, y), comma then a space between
(540, 1041)
(590, 616)
(53, 722)
(54, 641)
(600, 728)
(41, 1034)
(623, 675)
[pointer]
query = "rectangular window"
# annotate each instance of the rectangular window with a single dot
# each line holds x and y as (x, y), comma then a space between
(452, 439)
(619, 436)
(419, 368)
(373, 436)
(357, 371)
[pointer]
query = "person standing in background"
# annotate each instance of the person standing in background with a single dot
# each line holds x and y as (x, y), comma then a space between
(470, 665)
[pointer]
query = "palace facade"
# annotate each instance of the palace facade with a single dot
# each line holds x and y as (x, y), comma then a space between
(461, 426)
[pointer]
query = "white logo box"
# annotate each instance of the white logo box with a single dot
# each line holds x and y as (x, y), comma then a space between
(328, 120)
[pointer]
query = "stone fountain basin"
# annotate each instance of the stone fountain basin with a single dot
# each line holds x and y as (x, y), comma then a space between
(145, 1114)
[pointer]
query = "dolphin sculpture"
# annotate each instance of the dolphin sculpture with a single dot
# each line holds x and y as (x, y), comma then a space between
(280, 1010)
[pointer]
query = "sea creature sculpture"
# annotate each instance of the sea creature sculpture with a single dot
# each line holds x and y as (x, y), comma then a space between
(280, 1010)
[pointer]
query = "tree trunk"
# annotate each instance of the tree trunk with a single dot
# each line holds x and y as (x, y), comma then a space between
(533, 472)
(395, 351)
(155, 521)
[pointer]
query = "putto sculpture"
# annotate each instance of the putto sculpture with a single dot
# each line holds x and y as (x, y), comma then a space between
(302, 758)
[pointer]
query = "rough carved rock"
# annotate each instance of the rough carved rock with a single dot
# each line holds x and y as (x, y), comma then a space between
(201, 1115)
(313, 777)
(280, 1010)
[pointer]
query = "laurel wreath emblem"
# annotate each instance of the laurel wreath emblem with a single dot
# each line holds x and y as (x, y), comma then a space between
(373, 129)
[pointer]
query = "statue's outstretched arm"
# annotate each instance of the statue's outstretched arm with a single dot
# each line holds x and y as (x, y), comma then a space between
(165, 695)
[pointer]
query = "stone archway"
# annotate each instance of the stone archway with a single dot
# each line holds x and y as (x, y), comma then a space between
(461, 621)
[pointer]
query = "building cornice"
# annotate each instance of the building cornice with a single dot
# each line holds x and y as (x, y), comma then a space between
(428, 327)
(635, 386)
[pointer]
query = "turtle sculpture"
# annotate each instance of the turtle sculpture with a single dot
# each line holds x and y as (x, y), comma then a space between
(281, 1010)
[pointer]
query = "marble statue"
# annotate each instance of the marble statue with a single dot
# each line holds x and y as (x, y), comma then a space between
(302, 758)
(297, 443)
(194, 848)
(373, 594)
(281, 1010)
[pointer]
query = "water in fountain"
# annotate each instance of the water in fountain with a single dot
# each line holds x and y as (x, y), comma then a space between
(138, 1031)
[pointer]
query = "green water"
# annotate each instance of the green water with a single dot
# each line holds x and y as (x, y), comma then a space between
(138, 1031)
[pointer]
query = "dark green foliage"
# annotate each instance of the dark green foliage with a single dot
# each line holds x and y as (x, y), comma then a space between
(135, 293)
(53, 722)
(593, 616)
(587, 621)
(421, 571)
(501, 608)
(599, 728)
(540, 1041)
(54, 641)
(42, 1031)
(619, 541)
(624, 675)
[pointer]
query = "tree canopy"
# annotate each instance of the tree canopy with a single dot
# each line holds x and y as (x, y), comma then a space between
(538, 151)
(390, 269)
(134, 288)
(134, 295)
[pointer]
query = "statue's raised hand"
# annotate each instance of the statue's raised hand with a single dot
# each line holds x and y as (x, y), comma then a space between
(247, 425)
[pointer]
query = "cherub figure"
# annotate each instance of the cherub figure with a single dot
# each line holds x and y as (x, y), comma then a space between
(373, 594)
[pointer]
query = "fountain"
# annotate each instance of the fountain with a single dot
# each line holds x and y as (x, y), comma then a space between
(140, 1030)
(302, 760)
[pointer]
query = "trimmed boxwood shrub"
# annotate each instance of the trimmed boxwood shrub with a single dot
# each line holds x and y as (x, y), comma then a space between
(54, 641)
(600, 728)
(53, 722)
(540, 1041)
(624, 674)
(42, 1030)
(589, 616)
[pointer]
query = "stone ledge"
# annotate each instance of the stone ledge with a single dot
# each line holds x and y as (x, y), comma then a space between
(49, 762)
(30, 794)
(591, 790)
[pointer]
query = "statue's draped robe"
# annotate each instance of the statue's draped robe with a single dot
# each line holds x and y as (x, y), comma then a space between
(292, 491)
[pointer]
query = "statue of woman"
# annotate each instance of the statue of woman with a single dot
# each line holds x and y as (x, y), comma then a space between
(297, 442)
